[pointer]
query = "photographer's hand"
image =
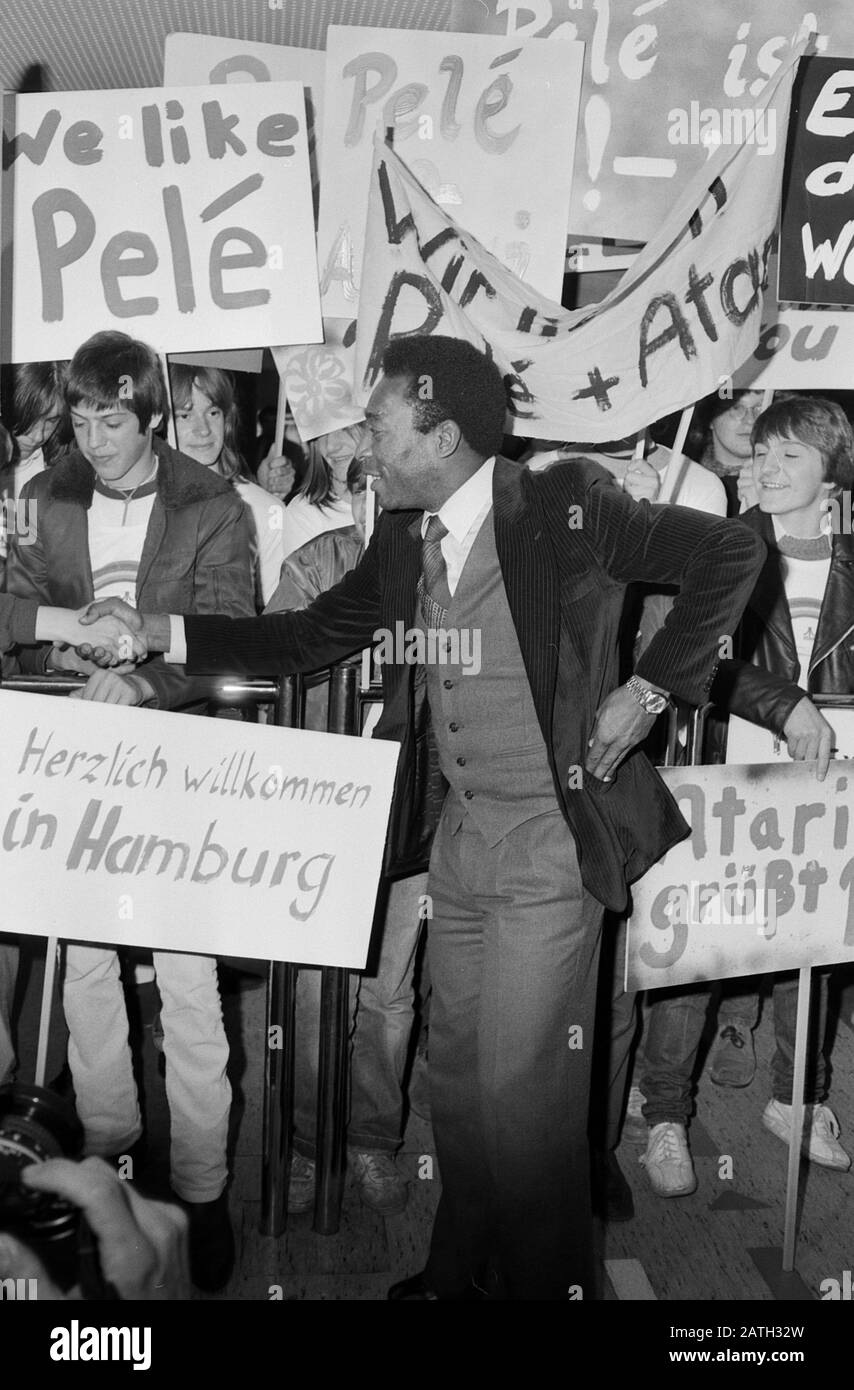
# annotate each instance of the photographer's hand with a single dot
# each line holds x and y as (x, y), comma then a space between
(142, 1244)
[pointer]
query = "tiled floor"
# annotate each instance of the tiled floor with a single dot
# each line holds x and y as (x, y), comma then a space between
(710, 1246)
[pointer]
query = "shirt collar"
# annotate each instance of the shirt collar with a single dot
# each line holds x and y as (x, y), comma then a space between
(464, 506)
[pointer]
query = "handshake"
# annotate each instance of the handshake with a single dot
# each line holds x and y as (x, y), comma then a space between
(105, 642)
(112, 633)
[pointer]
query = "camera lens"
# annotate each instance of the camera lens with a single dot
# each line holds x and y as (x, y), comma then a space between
(40, 1121)
(35, 1125)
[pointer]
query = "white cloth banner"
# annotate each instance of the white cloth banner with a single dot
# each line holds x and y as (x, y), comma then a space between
(683, 318)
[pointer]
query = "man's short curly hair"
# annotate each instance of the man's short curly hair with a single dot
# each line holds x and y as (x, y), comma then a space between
(449, 379)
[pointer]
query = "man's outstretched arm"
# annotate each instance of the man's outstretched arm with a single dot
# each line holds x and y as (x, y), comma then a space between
(25, 622)
(338, 623)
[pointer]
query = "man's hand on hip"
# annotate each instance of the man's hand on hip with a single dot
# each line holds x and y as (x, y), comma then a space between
(620, 724)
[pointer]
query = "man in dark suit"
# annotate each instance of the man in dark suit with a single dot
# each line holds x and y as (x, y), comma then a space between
(525, 759)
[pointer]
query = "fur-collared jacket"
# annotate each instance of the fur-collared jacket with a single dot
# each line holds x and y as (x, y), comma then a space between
(196, 557)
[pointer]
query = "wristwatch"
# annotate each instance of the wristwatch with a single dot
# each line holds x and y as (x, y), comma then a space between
(650, 700)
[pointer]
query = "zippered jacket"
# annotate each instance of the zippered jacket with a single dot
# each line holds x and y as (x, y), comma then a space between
(762, 682)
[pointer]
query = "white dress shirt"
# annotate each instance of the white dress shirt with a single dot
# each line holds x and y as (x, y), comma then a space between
(464, 513)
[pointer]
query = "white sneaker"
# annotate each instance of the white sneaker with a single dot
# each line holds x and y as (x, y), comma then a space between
(635, 1127)
(821, 1144)
(668, 1161)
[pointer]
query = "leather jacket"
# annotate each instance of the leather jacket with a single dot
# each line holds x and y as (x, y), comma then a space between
(762, 682)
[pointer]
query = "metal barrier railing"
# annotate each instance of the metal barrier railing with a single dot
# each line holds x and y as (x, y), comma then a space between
(690, 719)
(287, 697)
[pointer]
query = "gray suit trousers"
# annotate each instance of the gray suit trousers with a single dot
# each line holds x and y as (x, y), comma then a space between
(513, 949)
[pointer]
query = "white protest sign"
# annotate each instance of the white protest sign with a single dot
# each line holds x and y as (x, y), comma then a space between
(148, 828)
(203, 58)
(681, 319)
(487, 127)
(764, 883)
(243, 360)
(665, 83)
(318, 377)
(800, 347)
(180, 215)
(318, 380)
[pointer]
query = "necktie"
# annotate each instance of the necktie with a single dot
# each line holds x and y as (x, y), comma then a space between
(433, 592)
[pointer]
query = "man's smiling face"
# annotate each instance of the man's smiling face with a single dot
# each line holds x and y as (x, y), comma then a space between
(407, 468)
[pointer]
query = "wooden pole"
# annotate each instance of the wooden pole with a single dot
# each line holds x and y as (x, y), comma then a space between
(171, 432)
(47, 1006)
(370, 522)
(801, 1035)
(675, 468)
(281, 419)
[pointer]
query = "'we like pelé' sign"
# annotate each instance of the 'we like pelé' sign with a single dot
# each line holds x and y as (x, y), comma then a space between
(180, 215)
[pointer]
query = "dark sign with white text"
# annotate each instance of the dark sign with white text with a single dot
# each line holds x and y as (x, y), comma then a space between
(817, 229)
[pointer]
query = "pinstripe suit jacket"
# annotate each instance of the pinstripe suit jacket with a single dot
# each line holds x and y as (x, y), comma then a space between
(568, 542)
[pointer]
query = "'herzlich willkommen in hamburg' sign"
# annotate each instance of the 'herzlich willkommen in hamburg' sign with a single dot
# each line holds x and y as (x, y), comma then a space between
(150, 828)
(181, 215)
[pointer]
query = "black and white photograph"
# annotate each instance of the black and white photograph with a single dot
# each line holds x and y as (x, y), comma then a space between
(426, 674)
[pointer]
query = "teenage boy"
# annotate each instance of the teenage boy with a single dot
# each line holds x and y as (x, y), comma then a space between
(125, 516)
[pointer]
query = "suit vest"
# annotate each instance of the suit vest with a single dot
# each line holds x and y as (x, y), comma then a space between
(490, 746)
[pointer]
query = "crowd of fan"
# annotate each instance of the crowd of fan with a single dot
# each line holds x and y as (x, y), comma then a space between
(263, 530)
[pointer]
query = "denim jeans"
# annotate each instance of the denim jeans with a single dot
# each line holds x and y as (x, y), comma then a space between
(196, 1051)
(675, 1024)
(8, 975)
(737, 1001)
(381, 1013)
